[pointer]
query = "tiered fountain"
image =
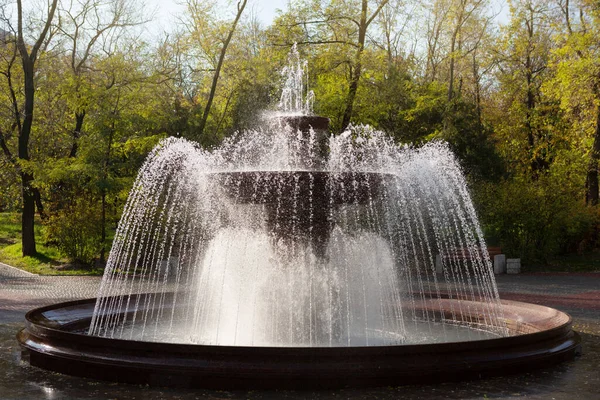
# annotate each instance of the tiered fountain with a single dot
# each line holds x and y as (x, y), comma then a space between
(287, 258)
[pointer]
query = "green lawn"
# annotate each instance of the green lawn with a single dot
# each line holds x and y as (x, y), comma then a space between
(46, 262)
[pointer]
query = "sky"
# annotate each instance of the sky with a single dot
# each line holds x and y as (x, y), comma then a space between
(266, 10)
(167, 9)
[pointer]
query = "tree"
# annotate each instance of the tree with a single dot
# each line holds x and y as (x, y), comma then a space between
(343, 25)
(209, 38)
(576, 81)
(355, 72)
(24, 117)
(437, 16)
(522, 57)
(83, 26)
(213, 87)
(461, 13)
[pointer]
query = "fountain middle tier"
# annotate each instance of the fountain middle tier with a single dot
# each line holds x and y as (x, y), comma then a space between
(302, 204)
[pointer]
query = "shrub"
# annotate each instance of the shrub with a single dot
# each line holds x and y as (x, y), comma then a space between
(535, 220)
(76, 231)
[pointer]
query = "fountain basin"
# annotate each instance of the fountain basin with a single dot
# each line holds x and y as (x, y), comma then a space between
(56, 340)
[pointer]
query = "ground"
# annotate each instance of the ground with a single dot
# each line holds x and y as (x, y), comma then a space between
(577, 294)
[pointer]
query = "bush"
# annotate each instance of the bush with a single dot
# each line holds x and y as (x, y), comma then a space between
(76, 231)
(536, 220)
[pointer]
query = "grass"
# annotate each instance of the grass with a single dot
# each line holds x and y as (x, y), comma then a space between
(47, 259)
(10, 228)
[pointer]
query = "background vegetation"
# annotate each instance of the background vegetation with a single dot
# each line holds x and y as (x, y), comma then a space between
(84, 97)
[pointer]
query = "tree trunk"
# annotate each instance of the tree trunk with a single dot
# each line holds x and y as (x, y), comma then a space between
(477, 84)
(27, 222)
(529, 108)
(451, 77)
(355, 77)
(79, 116)
(592, 194)
(103, 233)
(28, 59)
(38, 203)
(357, 70)
(213, 87)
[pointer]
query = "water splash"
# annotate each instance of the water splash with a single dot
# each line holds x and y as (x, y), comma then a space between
(241, 246)
(296, 98)
(266, 242)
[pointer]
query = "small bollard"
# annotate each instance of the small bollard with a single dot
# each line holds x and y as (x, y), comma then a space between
(513, 265)
(499, 264)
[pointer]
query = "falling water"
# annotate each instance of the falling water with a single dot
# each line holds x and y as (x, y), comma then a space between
(296, 98)
(257, 244)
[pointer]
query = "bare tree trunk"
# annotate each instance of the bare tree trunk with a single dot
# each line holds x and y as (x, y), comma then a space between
(213, 88)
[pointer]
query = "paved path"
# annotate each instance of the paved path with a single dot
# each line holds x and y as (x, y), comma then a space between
(577, 294)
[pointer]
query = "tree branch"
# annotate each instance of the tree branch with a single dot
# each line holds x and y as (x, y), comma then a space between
(315, 42)
(381, 5)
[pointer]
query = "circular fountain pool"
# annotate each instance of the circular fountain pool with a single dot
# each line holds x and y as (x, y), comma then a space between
(57, 340)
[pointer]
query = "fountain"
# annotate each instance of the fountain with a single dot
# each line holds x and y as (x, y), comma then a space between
(286, 258)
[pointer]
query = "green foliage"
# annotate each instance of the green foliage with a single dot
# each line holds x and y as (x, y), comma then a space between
(521, 117)
(572, 262)
(394, 92)
(75, 230)
(48, 257)
(472, 142)
(10, 198)
(536, 220)
(424, 120)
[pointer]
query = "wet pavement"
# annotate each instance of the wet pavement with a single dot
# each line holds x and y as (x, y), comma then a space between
(576, 294)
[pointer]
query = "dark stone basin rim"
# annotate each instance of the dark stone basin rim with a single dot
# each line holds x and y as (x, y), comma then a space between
(34, 321)
(190, 365)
